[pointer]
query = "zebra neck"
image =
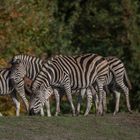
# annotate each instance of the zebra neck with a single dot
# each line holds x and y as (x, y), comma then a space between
(32, 70)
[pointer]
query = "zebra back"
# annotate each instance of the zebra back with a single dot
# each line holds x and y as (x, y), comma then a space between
(83, 70)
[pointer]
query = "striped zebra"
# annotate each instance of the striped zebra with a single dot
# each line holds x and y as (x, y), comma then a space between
(29, 67)
(121, 81)
(115, 80)
(70, 73)
(20, 71)
(6, 88)
(24, 70)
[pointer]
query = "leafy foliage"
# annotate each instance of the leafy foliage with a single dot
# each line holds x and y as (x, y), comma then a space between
(106, 27)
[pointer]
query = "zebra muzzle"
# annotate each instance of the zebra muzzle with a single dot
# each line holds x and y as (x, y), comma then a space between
(31, 112)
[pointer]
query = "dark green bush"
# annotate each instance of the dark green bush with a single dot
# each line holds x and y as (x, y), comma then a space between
(106, 27)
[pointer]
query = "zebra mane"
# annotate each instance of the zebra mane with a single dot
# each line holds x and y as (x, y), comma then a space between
(24, 57)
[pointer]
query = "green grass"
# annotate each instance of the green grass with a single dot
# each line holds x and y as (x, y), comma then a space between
(124, 126)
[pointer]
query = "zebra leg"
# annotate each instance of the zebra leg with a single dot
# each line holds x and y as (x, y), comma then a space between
(126, 92)
(95, 97)
(42, 111)
(106, 90)
(47, 104)
(96, 100)
(101, 92)
(20, 89)
(69, 96)
(104, 102)
(57, 98)
(80, 97)
(71, 103)
(117, 97)
(16, 102)
(89, 101)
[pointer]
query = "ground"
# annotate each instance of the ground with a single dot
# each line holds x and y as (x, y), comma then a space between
(124, 126)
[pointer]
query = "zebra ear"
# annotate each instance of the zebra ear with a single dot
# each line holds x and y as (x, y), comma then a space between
(49, 61)
(17, 61)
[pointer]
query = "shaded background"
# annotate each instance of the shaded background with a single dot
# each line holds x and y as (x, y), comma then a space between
(49, 27)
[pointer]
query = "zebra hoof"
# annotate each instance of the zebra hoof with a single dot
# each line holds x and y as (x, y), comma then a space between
(114, 114)
(99, 113)
(130, 111)
(103, 113)
(77, 114)
(57, 114)
(85, 114)
(49, 115)
(73, 115)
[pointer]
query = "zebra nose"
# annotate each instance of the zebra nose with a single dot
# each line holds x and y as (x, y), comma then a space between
(31, 112)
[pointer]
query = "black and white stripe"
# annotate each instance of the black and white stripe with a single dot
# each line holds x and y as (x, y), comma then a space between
(24, 70)
(24, 66)
(71, 73)
(119, 80)
(115, 80)
(6, 88)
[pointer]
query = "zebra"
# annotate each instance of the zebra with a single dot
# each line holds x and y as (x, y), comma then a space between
(94, 94)
(71, 73)
(6, 88)
(30, 67)
(24, 70)
(59, 92)
(116, 79)
(20, 71)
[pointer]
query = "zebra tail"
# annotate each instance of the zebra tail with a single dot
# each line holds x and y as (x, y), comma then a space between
(127, 80)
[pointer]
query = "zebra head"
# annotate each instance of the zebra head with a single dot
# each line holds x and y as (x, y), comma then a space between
(38, 99)
(17, 72)
(16, 59)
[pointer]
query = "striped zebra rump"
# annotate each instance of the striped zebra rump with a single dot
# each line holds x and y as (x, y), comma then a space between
(121, 80)
(116, 66)
(119, 72)
(117, 77)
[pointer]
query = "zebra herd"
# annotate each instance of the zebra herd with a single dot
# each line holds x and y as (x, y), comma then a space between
(88, 74)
